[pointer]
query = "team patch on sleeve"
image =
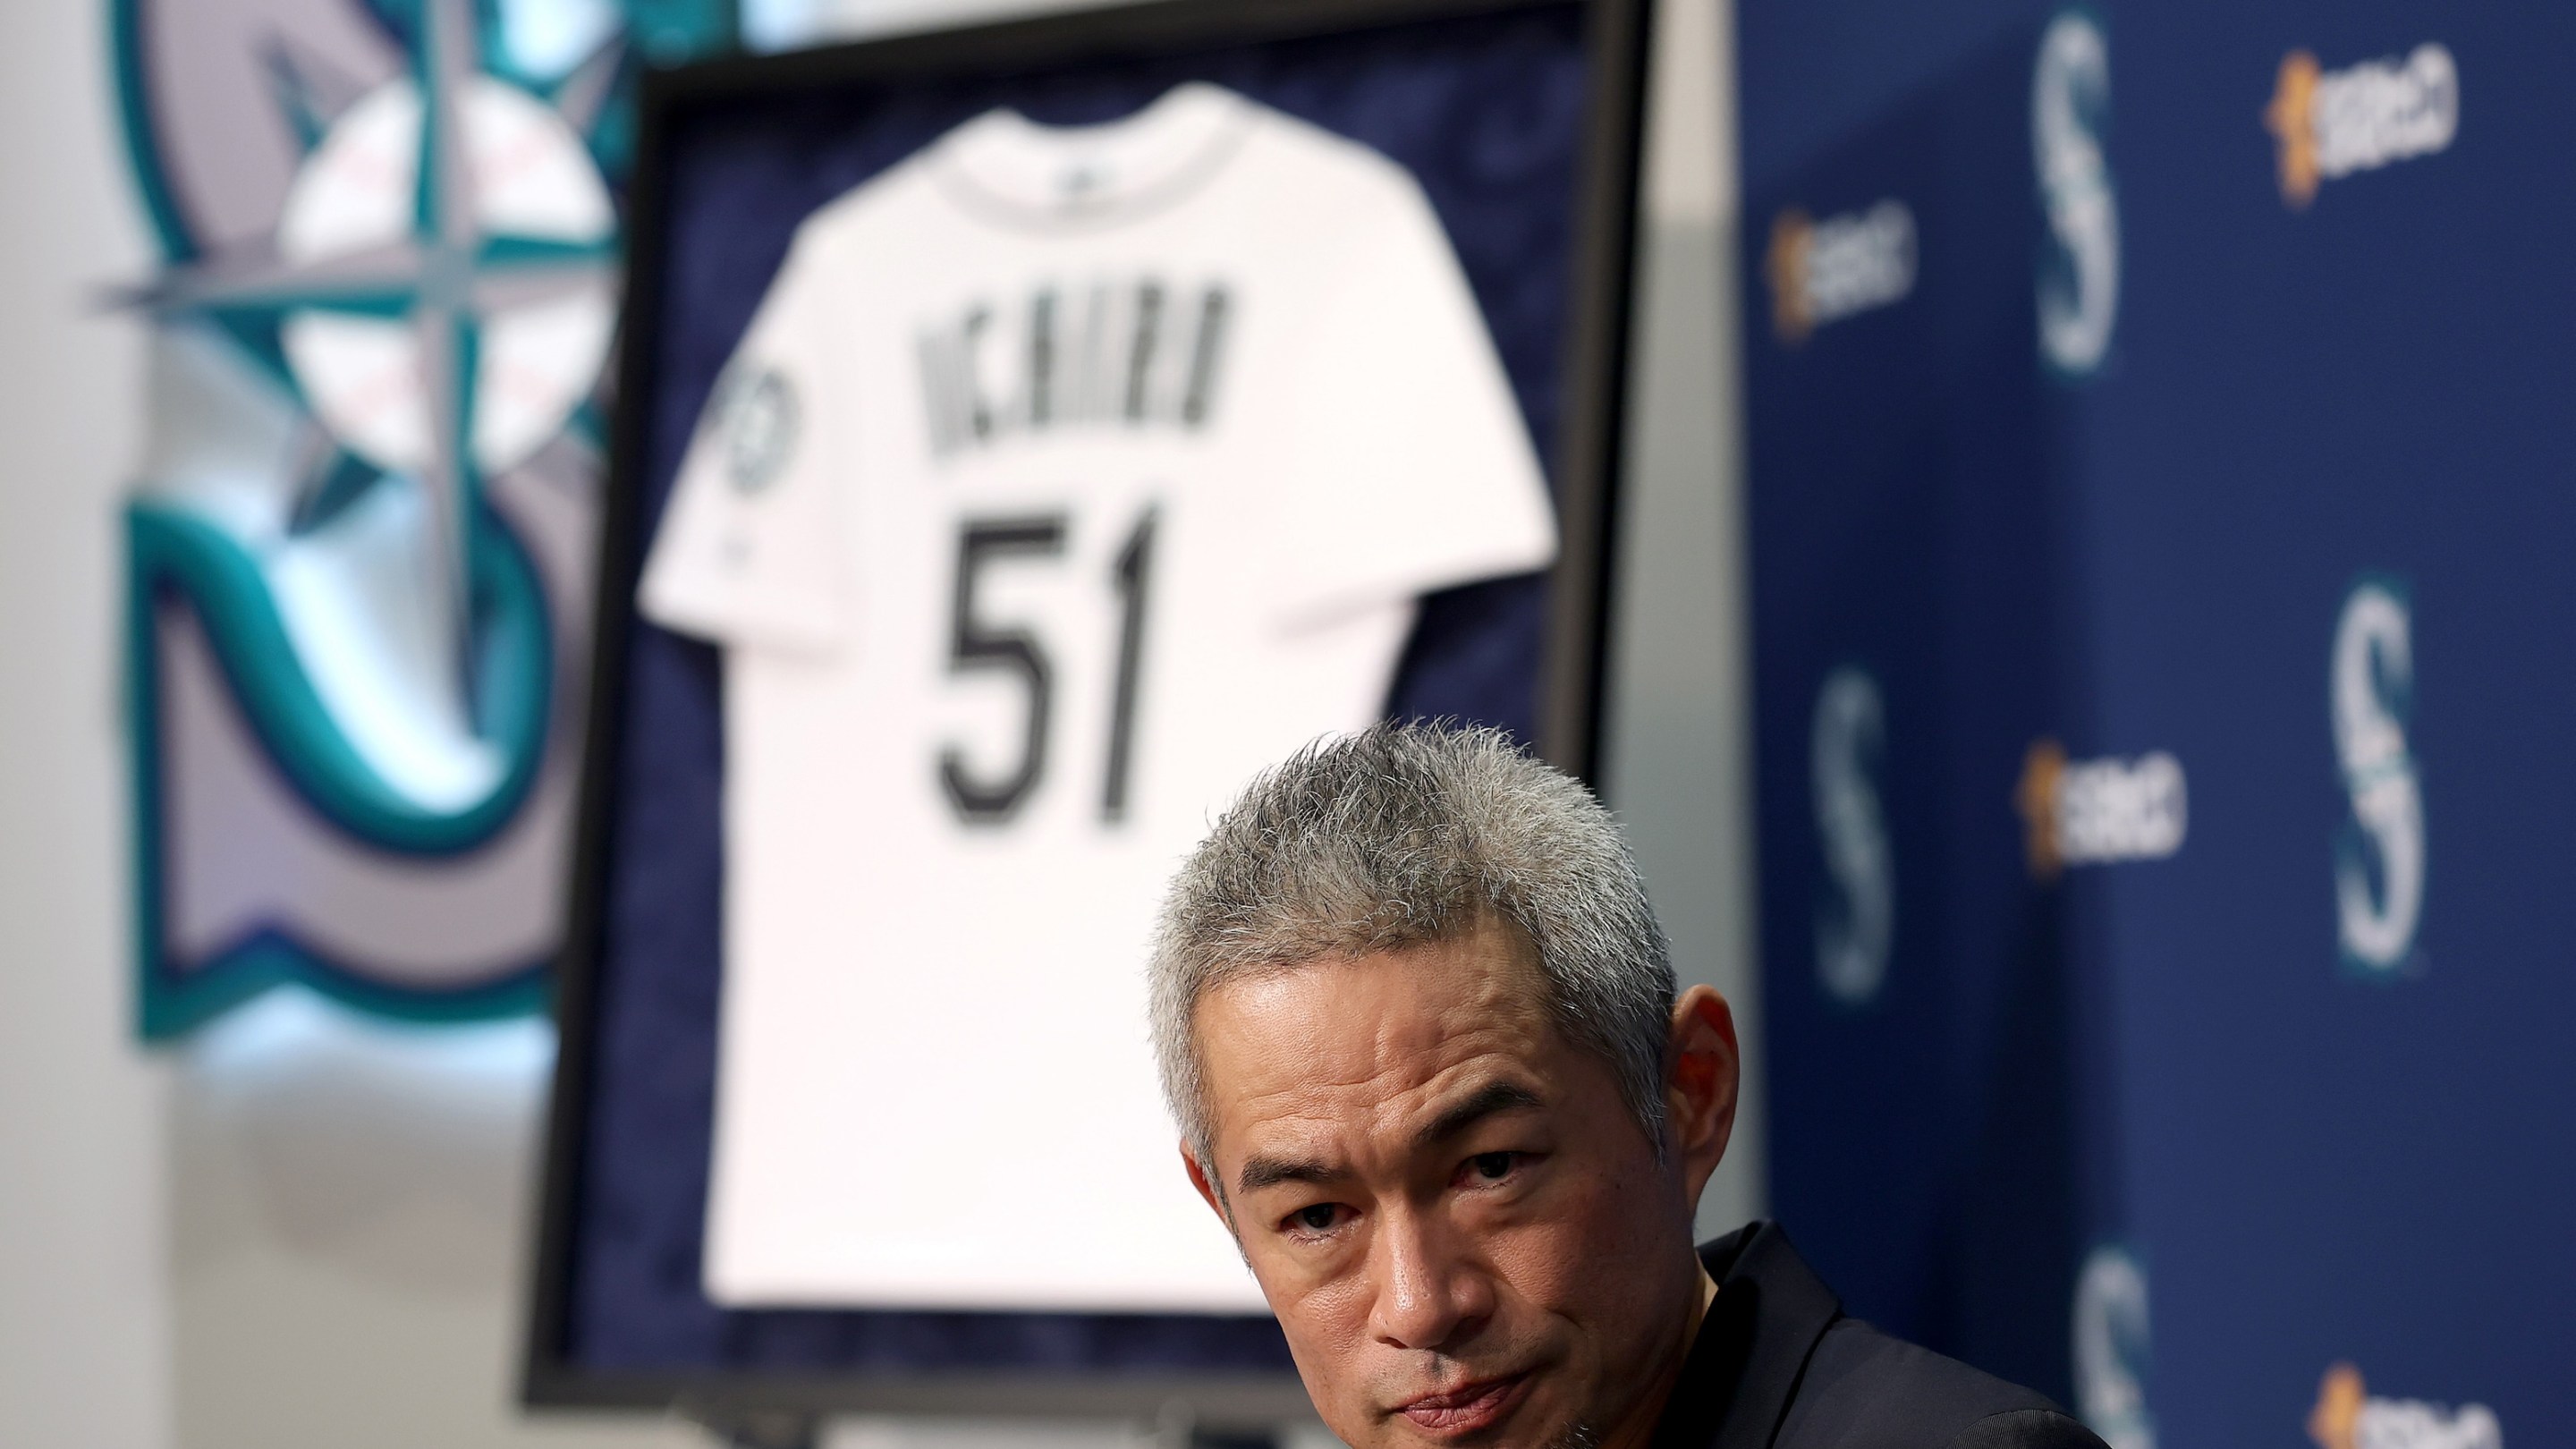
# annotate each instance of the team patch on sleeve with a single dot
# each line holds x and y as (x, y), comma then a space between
(757, 422)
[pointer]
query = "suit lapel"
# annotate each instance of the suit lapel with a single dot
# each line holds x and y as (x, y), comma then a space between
(1769, 1314)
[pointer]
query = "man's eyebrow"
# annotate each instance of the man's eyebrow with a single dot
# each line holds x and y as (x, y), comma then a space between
(1478, 1105)
(1261, 1172)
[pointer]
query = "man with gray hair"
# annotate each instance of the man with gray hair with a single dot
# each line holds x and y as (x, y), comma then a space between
(1420, 1031)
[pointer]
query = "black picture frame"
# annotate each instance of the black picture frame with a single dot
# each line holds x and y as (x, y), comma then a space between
(1586, 467)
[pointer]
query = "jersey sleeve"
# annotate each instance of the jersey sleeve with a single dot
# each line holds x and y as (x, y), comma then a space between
(1413, 468)
(749, 553)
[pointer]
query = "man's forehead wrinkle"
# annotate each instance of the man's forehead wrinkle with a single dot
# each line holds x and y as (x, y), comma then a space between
(1308, 1107)
(1349, 1062)
(1502, 1092)
(1313, 1101)
(1373, 1126)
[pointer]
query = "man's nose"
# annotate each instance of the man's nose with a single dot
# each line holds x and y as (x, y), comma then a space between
(1431, 1293)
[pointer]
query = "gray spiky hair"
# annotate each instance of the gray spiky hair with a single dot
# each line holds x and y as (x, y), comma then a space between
(1403, 836)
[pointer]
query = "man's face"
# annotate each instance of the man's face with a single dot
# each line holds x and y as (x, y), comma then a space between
(1460, 1224)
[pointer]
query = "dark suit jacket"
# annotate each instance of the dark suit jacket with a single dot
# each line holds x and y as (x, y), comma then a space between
(1777, 1365)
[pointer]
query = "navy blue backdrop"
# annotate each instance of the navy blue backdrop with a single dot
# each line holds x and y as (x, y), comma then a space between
(2162, 771)
(1489, 113)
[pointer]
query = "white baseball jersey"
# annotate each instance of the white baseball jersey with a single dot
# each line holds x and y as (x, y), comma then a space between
(1064, 479)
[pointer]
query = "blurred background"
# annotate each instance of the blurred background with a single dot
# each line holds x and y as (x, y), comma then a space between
(2088, 623)
(300, 1226)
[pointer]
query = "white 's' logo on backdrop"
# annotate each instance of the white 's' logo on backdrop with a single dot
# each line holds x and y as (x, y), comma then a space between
(2347, 1417)
(2110, 1349)
(2079, 279)
(1825, 271)
(2097, 812)
(2379, 863)
(2332, 123)
(1856, 913)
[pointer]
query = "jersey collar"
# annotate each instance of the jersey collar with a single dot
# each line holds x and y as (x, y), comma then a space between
(1005, 167)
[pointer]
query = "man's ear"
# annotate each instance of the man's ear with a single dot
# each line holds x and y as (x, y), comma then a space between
(1701, 1083)
(1208, 1192)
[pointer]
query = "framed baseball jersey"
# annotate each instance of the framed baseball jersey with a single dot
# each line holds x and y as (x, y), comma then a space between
(1026, 435)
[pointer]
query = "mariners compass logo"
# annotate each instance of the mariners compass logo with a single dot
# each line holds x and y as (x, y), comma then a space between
(358, 558)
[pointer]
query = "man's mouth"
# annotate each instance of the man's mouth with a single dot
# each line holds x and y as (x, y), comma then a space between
(1461, 1411)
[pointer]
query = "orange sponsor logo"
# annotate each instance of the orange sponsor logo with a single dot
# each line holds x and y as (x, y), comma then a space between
(1785, 267)
(2097, 812)
(2347, 1417)
(2331, 123)
(1824, 271)
(2291, 118)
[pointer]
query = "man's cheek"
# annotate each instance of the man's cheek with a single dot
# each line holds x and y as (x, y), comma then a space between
(1327, 1329)
(1603, 1216)
(1332, 1314)
(1288, 1276)
(1544, 1261)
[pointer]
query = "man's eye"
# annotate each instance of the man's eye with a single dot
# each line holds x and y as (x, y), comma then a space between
(1319, 1218)
(1493, 1166)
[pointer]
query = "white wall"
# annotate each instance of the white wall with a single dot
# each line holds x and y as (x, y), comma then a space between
(348, 1205)
(297, 1230)
(1678, 755)
(84, 1352)
(305, 1230)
